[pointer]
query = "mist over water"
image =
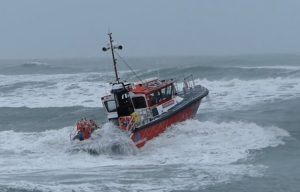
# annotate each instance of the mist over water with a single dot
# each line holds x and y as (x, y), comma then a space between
(245, 136)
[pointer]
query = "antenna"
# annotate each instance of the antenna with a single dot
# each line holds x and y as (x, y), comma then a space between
(112, 47)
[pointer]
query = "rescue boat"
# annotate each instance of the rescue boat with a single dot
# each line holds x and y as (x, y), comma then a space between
(147, 108)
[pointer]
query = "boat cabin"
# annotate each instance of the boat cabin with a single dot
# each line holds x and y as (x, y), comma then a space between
(148, 99)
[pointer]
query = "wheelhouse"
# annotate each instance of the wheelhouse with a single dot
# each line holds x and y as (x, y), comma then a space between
(148, 99)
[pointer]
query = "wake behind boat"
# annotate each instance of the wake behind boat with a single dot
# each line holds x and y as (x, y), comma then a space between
(147, 108)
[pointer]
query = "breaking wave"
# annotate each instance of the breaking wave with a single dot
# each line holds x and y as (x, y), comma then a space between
(34, 64)
(107, 140)
(238, 94)
(85, 89)
(194, 154)
(60, 90)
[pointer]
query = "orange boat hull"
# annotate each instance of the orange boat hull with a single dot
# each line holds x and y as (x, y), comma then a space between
(142, 135)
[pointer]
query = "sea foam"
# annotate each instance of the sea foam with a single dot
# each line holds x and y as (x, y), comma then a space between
(188, 156)
(86, 89)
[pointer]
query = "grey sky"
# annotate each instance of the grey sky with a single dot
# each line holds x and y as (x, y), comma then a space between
(77, 28)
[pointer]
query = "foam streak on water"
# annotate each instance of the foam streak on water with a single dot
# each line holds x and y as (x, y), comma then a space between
(85, 90)
(236, 94)
(52, 90)
(190, 155)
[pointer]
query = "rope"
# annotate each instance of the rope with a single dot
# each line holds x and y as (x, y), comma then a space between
(123, 60)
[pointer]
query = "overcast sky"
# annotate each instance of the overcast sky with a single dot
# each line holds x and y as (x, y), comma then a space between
(78, 28)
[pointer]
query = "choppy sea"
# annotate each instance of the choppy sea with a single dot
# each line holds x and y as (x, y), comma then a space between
(245, 137)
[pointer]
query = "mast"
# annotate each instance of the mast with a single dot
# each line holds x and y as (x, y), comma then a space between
(112, 47)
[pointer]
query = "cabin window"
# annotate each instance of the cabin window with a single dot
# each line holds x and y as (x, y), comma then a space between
(125, 107)
(169, 92)
(163, 94)
(110, 106)
(123, 99)
(139, 102)
(155, 98)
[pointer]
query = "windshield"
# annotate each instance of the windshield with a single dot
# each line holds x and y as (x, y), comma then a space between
(110, 106)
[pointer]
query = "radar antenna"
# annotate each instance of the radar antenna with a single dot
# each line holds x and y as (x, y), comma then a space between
(112, 47)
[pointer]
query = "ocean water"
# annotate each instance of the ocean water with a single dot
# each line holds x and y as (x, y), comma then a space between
(245, 137)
